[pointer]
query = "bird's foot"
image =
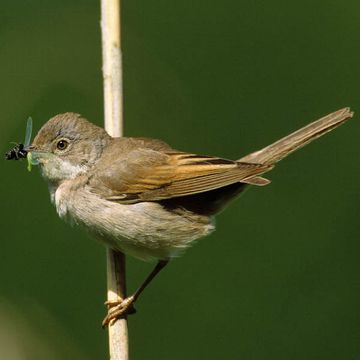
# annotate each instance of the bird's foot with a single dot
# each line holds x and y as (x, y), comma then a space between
(118, 309)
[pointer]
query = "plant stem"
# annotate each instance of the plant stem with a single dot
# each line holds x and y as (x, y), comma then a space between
(113, 118)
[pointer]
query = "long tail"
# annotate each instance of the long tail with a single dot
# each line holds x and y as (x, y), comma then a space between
(285, 146)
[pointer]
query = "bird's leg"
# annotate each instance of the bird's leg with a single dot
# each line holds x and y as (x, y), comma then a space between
(120, 308)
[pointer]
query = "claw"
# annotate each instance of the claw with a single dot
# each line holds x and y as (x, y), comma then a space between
(118, 309)
(112, 303)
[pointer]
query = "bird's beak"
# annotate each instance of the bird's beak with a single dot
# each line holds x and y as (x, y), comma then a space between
(35, 155)
(35, 150)
(30, 148)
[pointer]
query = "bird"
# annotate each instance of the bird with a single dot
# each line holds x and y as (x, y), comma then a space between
(142, 197)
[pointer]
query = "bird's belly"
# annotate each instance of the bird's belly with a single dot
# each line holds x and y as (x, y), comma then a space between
(145, 230)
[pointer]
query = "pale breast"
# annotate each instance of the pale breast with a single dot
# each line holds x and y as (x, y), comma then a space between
(145, 230)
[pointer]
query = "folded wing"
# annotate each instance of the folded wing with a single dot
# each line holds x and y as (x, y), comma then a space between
(149, 175)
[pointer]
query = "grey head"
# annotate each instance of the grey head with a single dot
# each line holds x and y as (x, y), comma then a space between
(67, 145)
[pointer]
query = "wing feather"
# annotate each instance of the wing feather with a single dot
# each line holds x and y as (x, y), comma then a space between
(149, 175)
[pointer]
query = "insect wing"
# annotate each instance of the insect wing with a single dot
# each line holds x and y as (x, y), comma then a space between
(29, 126)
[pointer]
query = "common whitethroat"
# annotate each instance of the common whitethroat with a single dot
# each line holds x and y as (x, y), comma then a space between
(142, 197)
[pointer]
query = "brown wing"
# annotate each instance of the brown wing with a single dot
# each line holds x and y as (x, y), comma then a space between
(193, 174)
(148, 175)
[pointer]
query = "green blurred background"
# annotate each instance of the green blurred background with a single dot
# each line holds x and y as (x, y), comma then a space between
(279, 279)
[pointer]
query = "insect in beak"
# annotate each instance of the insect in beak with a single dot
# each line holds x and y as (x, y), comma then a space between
(22, 151)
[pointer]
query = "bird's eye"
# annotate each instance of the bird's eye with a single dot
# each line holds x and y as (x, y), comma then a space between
(62, 144)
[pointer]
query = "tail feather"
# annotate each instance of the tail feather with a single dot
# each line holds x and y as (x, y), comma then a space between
(256, 180)
(285, 146)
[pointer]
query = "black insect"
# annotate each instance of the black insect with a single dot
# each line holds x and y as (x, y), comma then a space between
(16, 153)
(19, 150)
